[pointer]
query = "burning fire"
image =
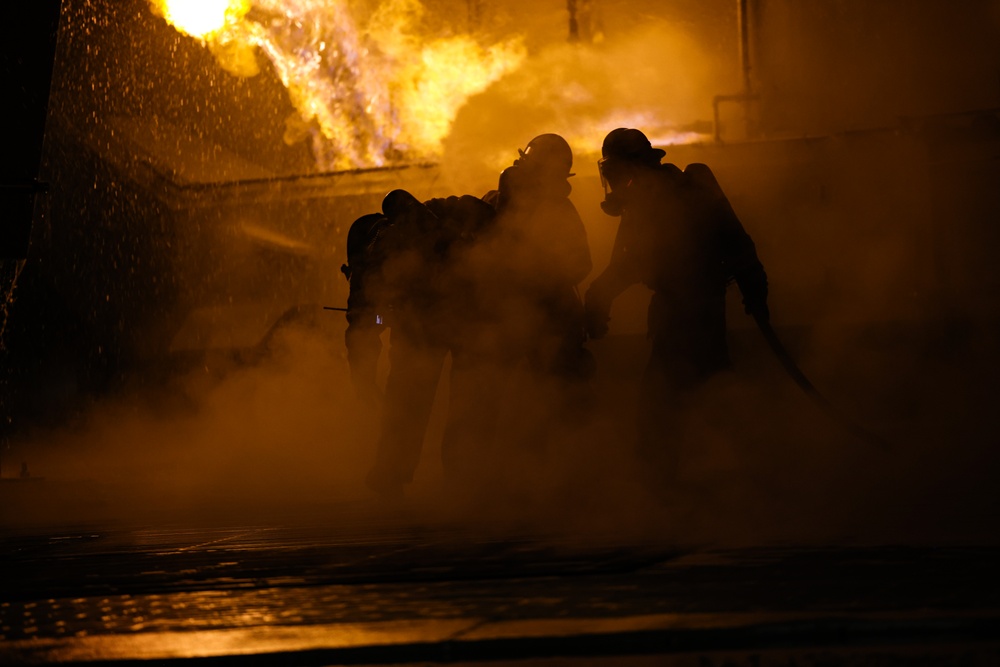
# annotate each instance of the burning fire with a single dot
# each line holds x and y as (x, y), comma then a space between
(368, 91)
(201, 18)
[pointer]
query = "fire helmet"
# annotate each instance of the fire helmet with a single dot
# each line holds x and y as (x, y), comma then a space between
(547, 154)
(631, 145)
(398, 202)
(359, 237)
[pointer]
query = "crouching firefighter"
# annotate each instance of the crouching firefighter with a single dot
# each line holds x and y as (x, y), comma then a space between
(403, 277)
(679, 236)
(364, 321)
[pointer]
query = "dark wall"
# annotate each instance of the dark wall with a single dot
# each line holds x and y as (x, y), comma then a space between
(836, 65)
(27, 51)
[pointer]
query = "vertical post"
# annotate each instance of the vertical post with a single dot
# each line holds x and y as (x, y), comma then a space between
(475, 14)
(574, 26)
(744, 24)
(746, 96)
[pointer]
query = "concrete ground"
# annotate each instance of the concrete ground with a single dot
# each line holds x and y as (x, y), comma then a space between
(361, 583)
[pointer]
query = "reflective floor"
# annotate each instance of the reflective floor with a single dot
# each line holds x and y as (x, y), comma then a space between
(363, 584)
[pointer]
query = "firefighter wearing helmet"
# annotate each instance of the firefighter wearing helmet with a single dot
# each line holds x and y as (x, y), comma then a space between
(538, 253)
(405, 273)
(548, 155)
(679, 236)
(543, 243)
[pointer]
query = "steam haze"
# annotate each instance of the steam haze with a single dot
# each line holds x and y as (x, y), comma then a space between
(650, 73)
(236, 440)
(877, 233)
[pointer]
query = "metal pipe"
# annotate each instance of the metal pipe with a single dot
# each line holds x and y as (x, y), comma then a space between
(744, 21)
(574, 27)
(719, 99)
(746, 96)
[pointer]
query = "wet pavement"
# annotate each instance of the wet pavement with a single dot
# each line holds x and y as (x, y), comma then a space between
(363, 584)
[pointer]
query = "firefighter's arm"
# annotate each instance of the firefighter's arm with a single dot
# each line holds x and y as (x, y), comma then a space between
(743, 265)
(362, 338)
(622, 273)
(576, 247)
(741, 262)
(364, 346)
(558, 245)
(739, 254)
(752, 282)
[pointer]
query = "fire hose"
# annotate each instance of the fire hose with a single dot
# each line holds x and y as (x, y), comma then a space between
(803, 382)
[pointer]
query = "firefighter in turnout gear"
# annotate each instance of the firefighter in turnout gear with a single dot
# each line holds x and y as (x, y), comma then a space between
(364, 323)
(531, 363)
(679, 236)
(405, 275)
(543, 245)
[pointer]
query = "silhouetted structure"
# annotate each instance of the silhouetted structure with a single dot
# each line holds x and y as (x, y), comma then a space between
(680, 237)
(585, 23)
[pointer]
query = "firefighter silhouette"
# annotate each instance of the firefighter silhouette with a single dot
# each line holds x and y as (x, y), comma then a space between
(491, 282)
(540, 248)
(679, 236)
(541, 241)
(404, 275)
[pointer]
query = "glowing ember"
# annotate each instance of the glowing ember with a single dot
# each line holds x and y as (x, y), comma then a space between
(367, 92)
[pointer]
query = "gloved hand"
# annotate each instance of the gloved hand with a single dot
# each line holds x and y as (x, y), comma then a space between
(753, 286)
(613, 204)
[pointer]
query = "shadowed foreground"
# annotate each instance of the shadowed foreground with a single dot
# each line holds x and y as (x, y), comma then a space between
(361, 584)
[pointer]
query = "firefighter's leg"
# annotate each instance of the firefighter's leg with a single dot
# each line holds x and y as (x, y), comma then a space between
(660, 423)
(414, 372)
(468, 448)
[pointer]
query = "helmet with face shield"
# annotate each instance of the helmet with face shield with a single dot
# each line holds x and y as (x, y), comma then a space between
(547, 156)
(623, 149)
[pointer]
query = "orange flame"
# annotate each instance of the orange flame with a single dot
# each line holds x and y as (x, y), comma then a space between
(367, 93)
(201, 18)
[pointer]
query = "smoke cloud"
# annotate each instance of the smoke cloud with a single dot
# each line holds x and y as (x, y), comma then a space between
(881, 289)
(229, 438)
(579, 91)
